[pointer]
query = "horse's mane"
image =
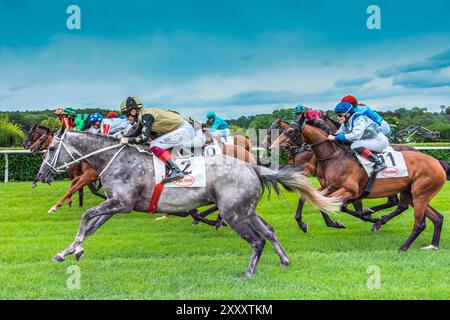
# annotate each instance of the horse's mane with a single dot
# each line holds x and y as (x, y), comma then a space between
(320, 124)
(44, 128)
(335, 122)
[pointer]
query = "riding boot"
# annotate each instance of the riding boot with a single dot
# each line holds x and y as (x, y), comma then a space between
(369, 155)
(175, 172)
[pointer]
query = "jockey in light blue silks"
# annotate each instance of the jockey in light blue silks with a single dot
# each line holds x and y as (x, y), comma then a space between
(219, 127)
(116, 127)
(364, 134)
(367, 111)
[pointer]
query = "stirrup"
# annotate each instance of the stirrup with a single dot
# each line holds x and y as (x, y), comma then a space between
(173, 177)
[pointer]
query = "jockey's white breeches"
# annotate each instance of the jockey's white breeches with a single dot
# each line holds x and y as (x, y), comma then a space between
(220, 133)
(180, 137)
(379, 143)
(385, 128)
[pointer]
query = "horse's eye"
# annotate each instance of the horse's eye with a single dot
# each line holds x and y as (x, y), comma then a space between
(51, 148)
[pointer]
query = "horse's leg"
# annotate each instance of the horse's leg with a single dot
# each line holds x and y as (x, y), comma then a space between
(202, 215)
(90, 223)
(358, 215)
(330, 223)
(94, 190)
(66, 197)
(298, 215)
(392, 202)
(256, 241)
(358, 205)
(438, 220)
(80, 197)
(267, 231)
(402, 207)
(419, 222)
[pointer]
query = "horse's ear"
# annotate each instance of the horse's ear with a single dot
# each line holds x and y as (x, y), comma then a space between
(34, 127)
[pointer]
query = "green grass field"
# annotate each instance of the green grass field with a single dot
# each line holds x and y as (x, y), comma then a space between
(135, 257)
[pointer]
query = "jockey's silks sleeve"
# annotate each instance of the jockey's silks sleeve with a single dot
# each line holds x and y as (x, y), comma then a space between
(146, 125)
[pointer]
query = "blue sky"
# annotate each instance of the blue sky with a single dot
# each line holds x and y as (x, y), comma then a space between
(232, 57)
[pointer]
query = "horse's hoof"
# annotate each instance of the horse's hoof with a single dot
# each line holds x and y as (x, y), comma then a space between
(79, 254)
(285, 263)
(70, 203)
(304, 227)
(376, 227)
(247, 275)
(161, 218)
(58, 258)
(402, 250)
(195, 223)
(52, 210)
(368, 212)
(339, 225)
(430, 247)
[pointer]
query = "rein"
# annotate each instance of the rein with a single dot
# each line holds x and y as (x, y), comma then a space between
(61, 168)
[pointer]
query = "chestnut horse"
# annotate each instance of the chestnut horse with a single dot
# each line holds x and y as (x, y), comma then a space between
(340, 173)
(303, 156)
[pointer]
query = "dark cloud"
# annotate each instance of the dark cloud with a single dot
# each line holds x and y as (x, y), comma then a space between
(422, 80)
(436, 62)
(351, 82)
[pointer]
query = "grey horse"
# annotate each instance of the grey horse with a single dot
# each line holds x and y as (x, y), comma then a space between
(128, 178)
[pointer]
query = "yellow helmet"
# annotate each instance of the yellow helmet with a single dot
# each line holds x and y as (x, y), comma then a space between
(130, 103)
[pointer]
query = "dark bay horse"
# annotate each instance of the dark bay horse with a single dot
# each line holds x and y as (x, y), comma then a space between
(340, 173)
(129, 181)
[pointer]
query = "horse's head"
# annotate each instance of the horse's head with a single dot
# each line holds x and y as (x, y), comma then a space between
(38, 138)
(32, 135)
(292, 134)
(57, 154)
(274, 130)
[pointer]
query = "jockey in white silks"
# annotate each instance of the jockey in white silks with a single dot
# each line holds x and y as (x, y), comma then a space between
(364, 134)
(116, 127)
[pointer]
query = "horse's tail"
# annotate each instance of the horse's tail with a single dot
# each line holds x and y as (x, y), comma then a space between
(446, 166)
(292, 180)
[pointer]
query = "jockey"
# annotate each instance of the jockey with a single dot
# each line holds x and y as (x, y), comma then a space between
(303, 114)
(95, 121)
(199, 139)
(219, 127)
(174, 129)
(66, 116)
(363, 132)
(368, 112)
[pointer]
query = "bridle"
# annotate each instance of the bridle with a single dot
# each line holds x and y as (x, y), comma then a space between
(62, 144)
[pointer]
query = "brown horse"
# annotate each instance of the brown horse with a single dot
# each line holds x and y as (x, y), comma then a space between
(342, 176)
(304, 157)
(82, 174)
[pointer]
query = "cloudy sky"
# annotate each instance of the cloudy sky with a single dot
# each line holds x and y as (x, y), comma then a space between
(232, 57)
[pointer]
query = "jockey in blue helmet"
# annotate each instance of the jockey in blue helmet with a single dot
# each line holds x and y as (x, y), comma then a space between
(95, 121)
(364, 134)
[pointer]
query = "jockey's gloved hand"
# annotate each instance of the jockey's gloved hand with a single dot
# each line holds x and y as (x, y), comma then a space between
(124, 141)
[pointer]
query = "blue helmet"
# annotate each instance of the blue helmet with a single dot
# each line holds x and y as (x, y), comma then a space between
(344, 107)
(210, 115)
(299, 109)
(93, 118)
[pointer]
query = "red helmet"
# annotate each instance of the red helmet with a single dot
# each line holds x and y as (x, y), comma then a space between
(350, 99)
(112, 114)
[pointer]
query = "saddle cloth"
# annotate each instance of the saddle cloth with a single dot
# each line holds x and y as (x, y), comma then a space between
(396, 166)
(193, 168)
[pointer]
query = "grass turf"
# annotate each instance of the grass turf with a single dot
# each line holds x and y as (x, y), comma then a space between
(135, 257)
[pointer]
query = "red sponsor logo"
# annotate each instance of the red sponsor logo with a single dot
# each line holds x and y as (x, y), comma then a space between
(390, 172)
(185, 182)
